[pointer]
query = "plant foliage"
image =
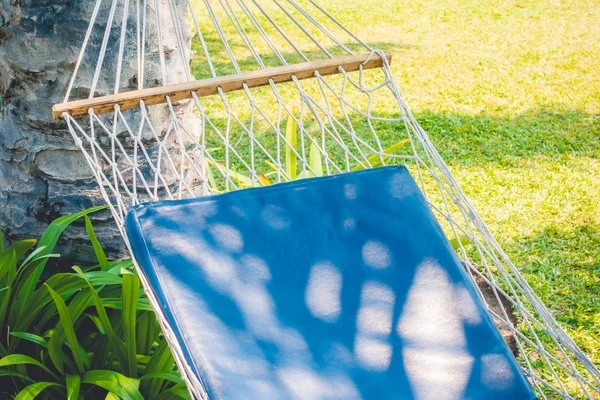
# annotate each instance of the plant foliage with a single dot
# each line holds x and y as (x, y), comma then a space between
(87, 334)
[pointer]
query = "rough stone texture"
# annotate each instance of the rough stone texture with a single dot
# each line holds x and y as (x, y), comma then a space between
(42, 175)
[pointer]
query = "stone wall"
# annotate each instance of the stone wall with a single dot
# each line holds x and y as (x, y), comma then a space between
(42, 175)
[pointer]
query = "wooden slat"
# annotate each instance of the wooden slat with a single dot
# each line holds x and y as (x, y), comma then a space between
(207, 87)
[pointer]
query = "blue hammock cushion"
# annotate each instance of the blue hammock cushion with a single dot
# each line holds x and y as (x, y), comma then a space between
(341, 287)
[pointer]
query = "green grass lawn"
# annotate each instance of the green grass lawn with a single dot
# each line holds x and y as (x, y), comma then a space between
(509, 91)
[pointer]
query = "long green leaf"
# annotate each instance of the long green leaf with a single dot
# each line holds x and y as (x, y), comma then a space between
(67, 325)
(62, 283)
(5, 372)
(147, 332)
(116, 343)
(30, 337)
(38, 252)
(48, 242)
(291, 145)
(315, 160)
(117, 266)
(19, 248)
(30, 392)
(12, 269)
(73, 387)
(78, 304)
(96, 321)
(101, 278)
(100, 255)
(178, 391)
(117, 304)
(171, 376)
(144, 333)
(131, 290)
(20, 287)
(21, 359)
(101, 355)
(56, 228)
(211, 178)
(161, 361)
(28, 267)
(5, 298)
(242, 179)
(124, 387)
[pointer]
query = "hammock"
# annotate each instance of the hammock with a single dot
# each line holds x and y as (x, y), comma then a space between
(338, 299)
(286, 93)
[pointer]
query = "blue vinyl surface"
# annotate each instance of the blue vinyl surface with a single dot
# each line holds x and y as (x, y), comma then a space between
(340, 287)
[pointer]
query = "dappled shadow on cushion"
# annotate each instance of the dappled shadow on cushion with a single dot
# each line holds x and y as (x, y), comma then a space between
(338, 288)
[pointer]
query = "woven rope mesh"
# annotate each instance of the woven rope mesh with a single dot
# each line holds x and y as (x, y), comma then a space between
(244, 139)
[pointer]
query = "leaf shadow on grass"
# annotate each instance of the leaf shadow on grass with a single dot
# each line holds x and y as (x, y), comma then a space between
(223, 64)
(539, 132)
(546, 130)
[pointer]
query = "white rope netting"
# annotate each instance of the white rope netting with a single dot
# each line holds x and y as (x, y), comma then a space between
(345, 122)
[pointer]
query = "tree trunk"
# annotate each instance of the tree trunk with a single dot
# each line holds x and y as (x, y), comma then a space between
(42, 174)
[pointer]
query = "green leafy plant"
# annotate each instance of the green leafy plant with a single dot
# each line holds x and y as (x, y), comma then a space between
(87, 334)
(315, 162)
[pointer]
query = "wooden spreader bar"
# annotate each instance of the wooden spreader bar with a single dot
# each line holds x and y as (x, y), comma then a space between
(207, 87)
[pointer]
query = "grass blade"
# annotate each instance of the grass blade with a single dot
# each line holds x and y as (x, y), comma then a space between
(12, 269)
